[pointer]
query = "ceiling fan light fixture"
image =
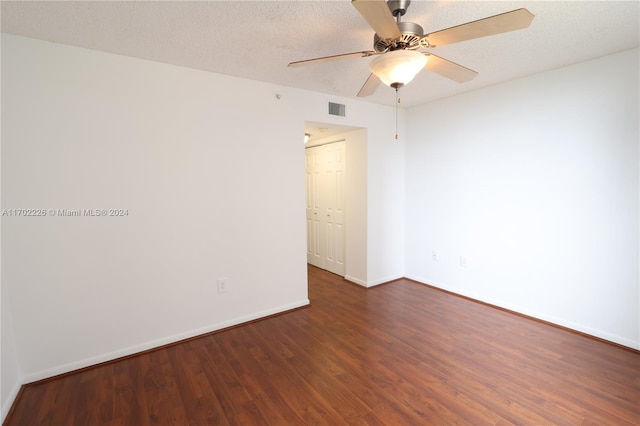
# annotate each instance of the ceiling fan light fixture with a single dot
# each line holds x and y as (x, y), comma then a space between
(398, 67)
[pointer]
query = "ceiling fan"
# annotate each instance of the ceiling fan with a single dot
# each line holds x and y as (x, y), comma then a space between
(397, 45)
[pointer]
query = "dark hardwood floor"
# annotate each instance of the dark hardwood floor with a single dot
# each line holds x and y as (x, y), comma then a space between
(396, 354)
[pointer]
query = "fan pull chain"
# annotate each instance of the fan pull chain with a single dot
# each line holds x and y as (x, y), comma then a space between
(397, 102)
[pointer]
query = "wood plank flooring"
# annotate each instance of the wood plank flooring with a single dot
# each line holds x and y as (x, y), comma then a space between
(396, 354)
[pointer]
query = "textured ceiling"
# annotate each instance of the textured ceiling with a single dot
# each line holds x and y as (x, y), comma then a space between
(256, 39)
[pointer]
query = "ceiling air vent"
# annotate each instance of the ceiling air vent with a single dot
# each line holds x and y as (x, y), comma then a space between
(337, 109)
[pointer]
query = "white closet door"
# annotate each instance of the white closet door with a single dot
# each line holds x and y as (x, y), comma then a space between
(333, 205)
(314, 214)
(325, 207)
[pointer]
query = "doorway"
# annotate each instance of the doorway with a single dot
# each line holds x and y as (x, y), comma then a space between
(325, 168)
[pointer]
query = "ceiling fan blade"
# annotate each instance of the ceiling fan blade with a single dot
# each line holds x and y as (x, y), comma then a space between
(449, 69)
(505, 22)
(379, 17)
(370, 86)
(363, 54)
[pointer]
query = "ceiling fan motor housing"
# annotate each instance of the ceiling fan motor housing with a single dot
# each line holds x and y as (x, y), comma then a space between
(411, 34)
(398, 7)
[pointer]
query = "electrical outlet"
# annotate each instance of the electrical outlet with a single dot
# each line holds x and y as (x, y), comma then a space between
(463, 262)
(222, 285)
(435, 256)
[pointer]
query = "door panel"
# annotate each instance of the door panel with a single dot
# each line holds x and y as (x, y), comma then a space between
(335, 207)
(314, 237)
(325, 207)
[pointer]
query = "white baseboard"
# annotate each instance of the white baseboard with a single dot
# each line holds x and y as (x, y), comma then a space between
(76, 365)
(371, 283)
(384, 280)
(533, 314)
(355, 280)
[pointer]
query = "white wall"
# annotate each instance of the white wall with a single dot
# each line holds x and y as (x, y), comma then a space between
(211, 170)
(356, 206)
(536, 183)
(83, 129)
(9, 370)
(386, 201)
